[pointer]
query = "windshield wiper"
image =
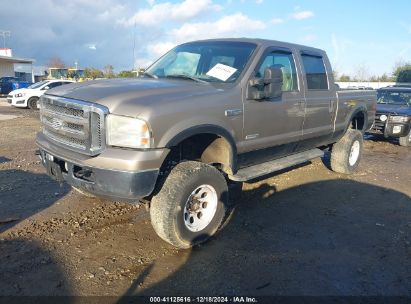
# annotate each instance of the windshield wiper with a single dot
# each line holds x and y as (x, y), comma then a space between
(184, 76)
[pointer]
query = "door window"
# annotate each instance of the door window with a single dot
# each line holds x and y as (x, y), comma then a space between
(285, 62)
(54, 84)
(315, 72)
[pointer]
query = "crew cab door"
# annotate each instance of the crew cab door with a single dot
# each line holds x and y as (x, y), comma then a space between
(275, 123)
(320, 97)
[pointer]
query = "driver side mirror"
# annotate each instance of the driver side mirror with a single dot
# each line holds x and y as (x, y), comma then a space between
(46, 88)
(269, 87)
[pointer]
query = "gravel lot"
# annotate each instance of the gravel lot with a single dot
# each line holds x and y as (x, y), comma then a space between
(307, 231)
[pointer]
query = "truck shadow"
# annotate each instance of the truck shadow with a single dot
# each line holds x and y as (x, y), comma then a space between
(29, 270)
(335, 237)
(377, 138)
(23, 194)
(27, 267)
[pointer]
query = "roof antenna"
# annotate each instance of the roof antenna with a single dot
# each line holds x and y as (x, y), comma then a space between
(134, 46)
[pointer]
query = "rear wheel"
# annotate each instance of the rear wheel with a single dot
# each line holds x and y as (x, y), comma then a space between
(32, 103)
(405, 141)
(191, 205)
(346, 153)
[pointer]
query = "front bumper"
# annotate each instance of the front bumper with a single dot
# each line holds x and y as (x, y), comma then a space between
(112, 182)
(392, 129)
(17, 102)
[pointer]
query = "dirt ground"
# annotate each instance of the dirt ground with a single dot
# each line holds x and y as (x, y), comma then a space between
(307, 231)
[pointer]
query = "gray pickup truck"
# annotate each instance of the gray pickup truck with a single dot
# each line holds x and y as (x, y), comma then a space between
(206, 114)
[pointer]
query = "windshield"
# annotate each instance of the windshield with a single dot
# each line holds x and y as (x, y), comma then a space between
(37, 84)
(394, 97)
(211, 61)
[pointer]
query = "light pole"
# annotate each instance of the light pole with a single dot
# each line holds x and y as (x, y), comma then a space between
(4, 34)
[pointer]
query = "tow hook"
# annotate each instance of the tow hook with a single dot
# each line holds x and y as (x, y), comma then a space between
(85, 174)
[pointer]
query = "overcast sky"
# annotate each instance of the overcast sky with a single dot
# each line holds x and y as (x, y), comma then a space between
(374, 34)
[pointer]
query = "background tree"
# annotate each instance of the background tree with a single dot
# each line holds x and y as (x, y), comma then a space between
(335, 74)
(56, 62)
(345, 78)
(361, 73)
(126, 74)
(385, 78)
(402, 71)
(108, 71)
(404, 76)
(93, 73)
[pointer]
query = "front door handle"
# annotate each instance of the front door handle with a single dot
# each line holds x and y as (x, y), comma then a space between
(233, 112)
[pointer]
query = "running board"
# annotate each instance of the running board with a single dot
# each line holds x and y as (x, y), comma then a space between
(262, 169)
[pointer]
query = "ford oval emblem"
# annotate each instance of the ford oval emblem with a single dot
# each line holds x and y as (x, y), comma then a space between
(56, 123)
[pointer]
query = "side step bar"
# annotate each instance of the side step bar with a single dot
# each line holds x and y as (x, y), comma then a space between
(259, 170)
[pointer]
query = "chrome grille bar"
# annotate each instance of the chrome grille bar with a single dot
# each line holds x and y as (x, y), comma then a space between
(74, 124)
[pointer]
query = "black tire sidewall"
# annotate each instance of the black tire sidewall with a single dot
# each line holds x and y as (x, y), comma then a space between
(31, 101)
(218, 183)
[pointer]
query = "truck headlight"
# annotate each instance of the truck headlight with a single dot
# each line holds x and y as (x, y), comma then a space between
(19, 94)
(399, 118)
(129, 132)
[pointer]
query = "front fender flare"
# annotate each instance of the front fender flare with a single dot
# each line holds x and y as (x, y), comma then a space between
(207, 129)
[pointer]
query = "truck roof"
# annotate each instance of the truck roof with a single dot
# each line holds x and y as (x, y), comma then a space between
(267, 42)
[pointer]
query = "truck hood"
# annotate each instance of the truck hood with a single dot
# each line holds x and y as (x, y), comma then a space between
(394, 109)
(123, 96)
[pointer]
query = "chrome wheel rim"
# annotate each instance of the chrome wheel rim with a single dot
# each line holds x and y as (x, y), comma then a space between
(354, 153)
(200, 208)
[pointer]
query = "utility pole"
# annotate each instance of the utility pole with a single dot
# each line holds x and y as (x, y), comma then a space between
(4, 34)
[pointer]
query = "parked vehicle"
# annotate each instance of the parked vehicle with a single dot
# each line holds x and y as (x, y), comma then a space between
(57, 73)
(74, 74)
(206, 114)
(8, 84)
(29, 97)
(393, 118)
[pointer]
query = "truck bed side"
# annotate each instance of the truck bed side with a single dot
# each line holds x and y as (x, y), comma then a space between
(352, 102)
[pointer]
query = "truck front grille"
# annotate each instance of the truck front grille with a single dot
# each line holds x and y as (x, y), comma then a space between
(379, 125)
(73, 124)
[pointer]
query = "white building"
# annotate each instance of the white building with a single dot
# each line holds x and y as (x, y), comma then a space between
(7, 62)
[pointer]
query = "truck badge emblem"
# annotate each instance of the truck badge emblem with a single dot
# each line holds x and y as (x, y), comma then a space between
(56, 123)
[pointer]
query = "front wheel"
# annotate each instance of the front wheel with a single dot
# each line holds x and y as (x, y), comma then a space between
(405, 141)
(32, 103)
(346, 153)
(191, 205)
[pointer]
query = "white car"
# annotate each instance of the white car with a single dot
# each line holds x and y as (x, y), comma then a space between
(29, 97)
